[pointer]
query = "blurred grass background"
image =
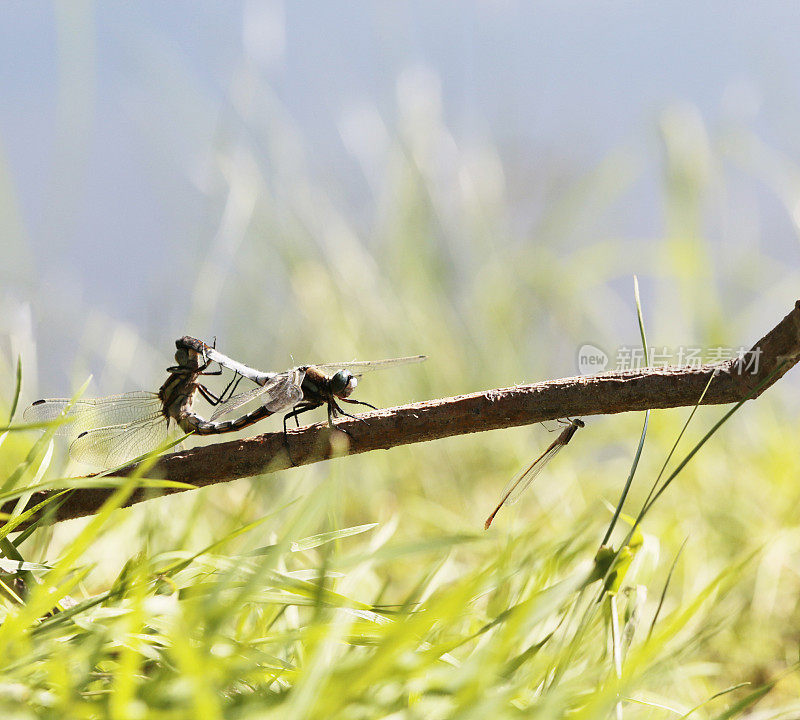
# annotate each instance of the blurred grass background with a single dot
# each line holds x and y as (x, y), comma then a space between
(495, 260)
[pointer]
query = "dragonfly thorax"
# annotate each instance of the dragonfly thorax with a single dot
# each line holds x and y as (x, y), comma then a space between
(343, 383)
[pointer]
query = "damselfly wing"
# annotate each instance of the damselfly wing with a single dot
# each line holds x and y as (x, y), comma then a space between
(522, 480)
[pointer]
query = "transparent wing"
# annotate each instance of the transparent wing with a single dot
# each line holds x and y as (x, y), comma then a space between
(95, 412)
(282, 391)
(519, 483)
(118, 444)
(359, 367)
(45, 411)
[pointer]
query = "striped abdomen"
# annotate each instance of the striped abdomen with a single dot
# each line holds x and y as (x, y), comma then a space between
(192, 422)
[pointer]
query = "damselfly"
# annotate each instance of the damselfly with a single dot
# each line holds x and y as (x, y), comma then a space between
(518, 484)
(305, 387)
(113, 430)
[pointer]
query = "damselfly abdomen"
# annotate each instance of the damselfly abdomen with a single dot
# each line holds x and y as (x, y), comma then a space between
(520, 482)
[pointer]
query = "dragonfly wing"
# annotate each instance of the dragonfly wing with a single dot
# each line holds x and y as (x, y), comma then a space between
(288, 391)
(520, 482)
(236, 401)
(118, 444)
(359, 367)
(282, 391)
(47, 410)
(95, 412)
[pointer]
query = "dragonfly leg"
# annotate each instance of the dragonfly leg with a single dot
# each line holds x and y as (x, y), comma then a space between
(335, 411)
(233, 389)
(178, 370)
(207, 362)
(296, 410)
(358, 402)
(221, 398)
(207, 394)
(230, 389)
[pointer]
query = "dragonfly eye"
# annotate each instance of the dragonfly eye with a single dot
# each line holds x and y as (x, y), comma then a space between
(343, 384)
(182, 357)
(188, 359)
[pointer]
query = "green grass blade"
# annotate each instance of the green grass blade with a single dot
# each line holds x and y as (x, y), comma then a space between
(17, 390)
(665, 588)
(638, 454)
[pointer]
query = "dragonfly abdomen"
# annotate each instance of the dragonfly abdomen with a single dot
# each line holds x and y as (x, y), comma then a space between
(192, 422)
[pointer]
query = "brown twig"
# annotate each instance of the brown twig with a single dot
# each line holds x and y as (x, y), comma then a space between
(601, 394)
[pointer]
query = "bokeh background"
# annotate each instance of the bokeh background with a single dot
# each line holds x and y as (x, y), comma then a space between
(474, 181)
(171, 168)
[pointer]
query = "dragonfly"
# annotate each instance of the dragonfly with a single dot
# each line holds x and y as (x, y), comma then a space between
(520, 482)
(306, 388)
(112, 431)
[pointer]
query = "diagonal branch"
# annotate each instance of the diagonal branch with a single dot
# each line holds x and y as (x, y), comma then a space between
(601, 394)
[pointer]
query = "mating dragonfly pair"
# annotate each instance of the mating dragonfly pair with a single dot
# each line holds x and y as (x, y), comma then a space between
(112, 431)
